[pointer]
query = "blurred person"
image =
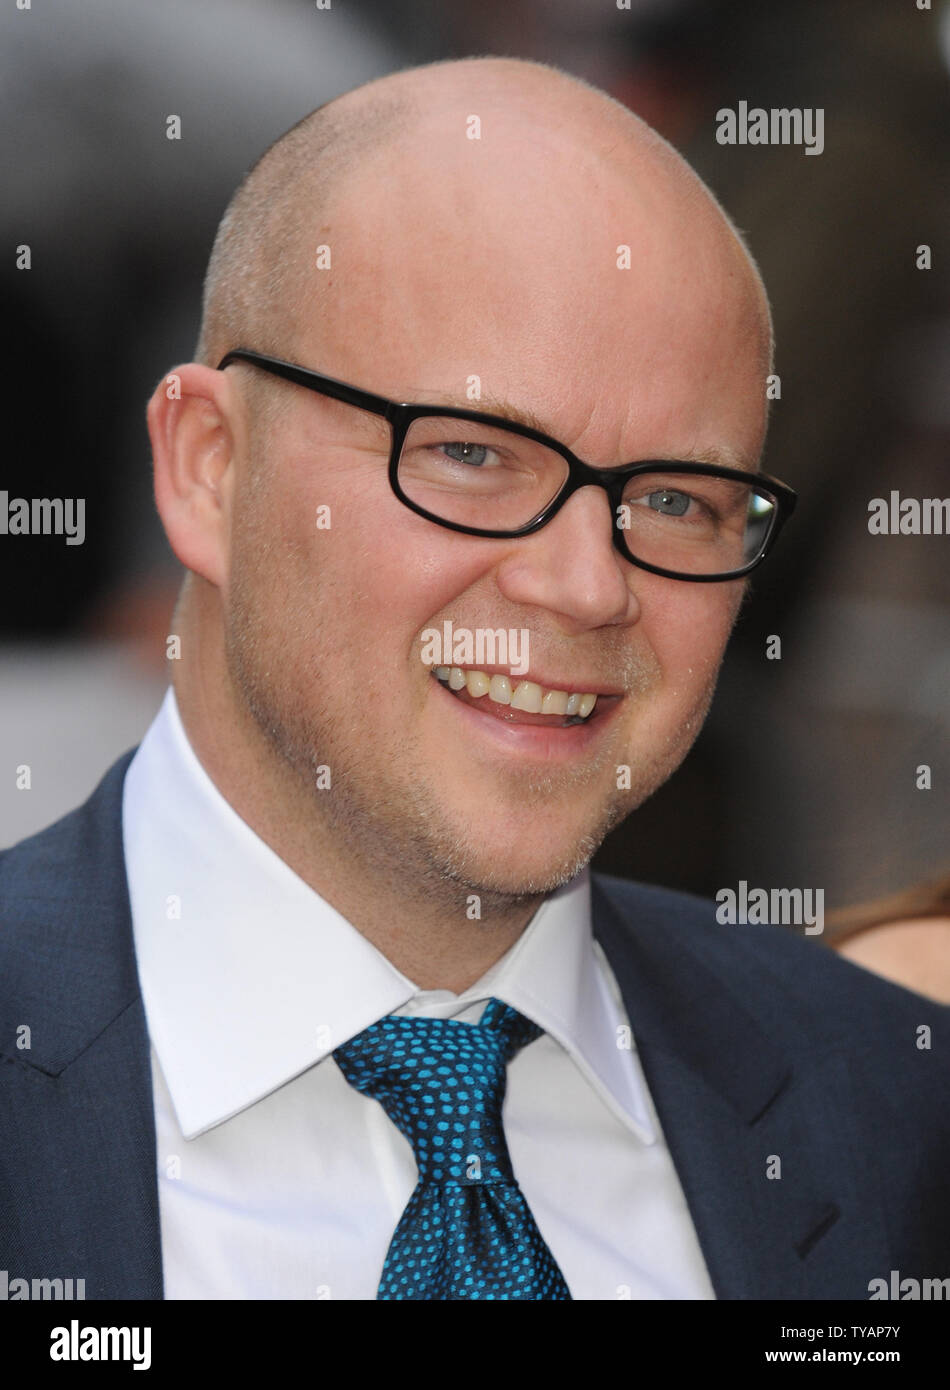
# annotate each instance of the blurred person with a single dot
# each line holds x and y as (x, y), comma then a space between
(904, 937)
(325, 949)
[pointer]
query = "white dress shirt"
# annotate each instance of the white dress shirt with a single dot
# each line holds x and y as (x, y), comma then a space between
(276, 1178)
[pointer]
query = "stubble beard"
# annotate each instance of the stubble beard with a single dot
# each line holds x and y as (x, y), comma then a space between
(395, 832)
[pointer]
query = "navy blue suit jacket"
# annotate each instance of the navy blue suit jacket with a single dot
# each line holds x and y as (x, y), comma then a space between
(755, 1043)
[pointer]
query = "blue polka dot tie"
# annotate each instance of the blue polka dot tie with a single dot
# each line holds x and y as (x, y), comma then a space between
(467, 1231)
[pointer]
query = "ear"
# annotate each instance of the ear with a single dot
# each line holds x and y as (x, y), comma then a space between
(197, 427)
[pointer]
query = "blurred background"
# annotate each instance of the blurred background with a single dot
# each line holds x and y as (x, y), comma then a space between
(806, 772)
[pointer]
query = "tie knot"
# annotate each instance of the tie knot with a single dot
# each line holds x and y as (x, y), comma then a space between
(442, 1082)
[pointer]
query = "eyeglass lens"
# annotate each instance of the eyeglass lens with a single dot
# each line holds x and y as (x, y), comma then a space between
(496, 480)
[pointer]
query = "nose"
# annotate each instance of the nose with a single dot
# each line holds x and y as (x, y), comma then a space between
(571, 566)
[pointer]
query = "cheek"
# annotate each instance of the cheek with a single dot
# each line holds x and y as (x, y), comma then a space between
(688, 631)
(370, 574)
(377, 563)
(403, 573)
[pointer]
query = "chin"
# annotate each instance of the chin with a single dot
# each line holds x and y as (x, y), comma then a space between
(519, 875)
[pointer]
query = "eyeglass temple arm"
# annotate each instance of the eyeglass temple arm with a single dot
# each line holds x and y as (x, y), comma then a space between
(313, 381)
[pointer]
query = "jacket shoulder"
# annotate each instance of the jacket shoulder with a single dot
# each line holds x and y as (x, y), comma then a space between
(66, 963)
(63, 843)
(764, 963)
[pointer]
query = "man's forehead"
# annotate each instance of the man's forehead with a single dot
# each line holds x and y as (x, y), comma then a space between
(543, 242)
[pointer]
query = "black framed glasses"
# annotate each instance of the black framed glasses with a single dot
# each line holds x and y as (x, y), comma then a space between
(484, 475)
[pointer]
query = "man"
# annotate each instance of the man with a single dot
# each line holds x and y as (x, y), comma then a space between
(298, 951)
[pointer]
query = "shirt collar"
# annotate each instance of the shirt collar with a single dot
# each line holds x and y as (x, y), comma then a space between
(249, 977)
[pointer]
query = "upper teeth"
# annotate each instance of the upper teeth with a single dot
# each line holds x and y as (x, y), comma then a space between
(526, 695)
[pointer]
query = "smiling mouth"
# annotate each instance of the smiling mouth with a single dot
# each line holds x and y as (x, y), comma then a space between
(521, 702)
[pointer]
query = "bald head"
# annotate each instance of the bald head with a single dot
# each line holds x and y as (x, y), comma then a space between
(350, 162)
(259, 262)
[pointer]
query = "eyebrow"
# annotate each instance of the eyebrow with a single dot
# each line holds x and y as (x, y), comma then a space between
(723, 455)
(520, 415)
(491, 405)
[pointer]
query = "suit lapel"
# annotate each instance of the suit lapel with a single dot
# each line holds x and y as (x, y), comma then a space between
(79, 1135)
(737, 1103)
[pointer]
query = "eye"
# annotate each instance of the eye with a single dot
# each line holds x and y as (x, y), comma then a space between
(475, 455)
(668, 503)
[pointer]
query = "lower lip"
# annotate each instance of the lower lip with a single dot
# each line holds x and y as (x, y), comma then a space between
(548, 745)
